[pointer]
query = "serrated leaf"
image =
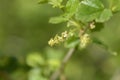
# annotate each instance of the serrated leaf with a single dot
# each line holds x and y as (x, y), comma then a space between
(89, 10)
(104, 16)
(72, 42)
(93, 3)
(72, 6)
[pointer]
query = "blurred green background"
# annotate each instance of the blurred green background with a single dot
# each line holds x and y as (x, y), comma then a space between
(25, 54)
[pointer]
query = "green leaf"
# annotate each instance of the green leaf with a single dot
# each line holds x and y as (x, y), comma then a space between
(102, 44)
(54, 57)
(55, 3)
(35, 59)
(114, 5)
(93, 3)
(99, 42)
(59, 19)
(71, 7)
(72, 42)
(36, 74)
(89, 10)
(104, 16)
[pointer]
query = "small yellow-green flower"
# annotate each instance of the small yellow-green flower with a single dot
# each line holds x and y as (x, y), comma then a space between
(84, 40)
(51, 42)
(58, 39)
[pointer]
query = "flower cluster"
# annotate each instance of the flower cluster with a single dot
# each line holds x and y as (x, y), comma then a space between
(84, 40)
(58, 39)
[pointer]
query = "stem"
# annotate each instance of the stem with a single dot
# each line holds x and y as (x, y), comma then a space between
(58, 72)
(83, 31)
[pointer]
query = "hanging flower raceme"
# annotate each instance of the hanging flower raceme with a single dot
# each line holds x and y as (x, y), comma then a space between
(58, 39)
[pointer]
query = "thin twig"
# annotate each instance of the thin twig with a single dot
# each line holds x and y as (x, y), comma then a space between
(84, 30)
(58, 72)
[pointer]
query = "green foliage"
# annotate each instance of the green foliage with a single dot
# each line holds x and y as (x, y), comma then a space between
(104, 16)
(92, 10)
(58, 19)
(88, 27)
(55, 3)
(70, 9)
(35, 60)
(36, 74)
(42, 66)
(80, 16)
(54, 57)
